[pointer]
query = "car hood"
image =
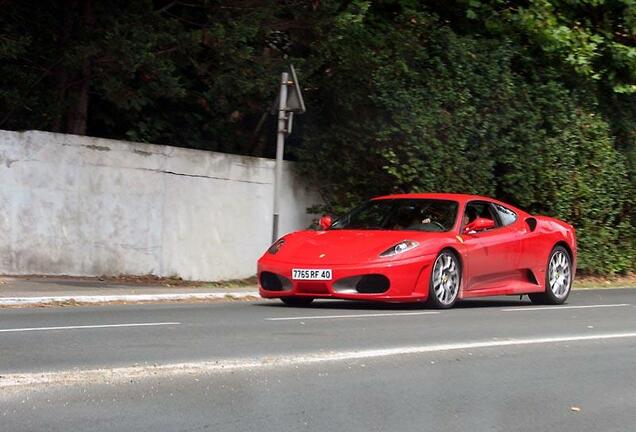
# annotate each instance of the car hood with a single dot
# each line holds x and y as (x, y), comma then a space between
(348, 246)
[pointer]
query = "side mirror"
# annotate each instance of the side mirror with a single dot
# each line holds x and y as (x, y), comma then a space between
(479, 224)
(325, 222)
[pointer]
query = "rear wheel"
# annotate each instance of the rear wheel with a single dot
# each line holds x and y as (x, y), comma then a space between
(297, 301)
(558, 278)
(445, 281)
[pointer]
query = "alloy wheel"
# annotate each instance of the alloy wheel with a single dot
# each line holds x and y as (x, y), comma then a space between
(560, 274)
(446, 278)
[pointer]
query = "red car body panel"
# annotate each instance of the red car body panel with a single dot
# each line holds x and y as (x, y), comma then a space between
(507, 260)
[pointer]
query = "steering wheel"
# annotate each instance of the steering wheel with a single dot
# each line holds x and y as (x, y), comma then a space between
(442, 227)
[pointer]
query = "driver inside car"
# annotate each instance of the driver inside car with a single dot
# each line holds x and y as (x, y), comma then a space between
(404, 218)
(469, 215)
(428, 219)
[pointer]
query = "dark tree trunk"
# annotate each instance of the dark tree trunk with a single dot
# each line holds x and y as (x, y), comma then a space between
(78, 113)
(79, 105)
(61, 73)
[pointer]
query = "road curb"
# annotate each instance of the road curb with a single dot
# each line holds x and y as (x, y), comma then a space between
(126, 298)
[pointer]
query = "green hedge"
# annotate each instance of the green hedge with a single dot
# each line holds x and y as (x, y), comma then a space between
(426, 109)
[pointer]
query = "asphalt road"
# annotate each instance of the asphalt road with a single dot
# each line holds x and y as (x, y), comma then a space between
(501, 365)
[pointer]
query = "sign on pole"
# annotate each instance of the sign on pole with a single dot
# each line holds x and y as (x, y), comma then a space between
(290, 101)
(295, 102)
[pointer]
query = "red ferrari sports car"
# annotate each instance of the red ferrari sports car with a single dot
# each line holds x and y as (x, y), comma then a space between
(423, 247)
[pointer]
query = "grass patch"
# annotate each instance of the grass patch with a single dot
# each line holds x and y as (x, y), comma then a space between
(589, 282)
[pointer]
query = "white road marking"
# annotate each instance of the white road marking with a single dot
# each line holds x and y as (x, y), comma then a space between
(535, 308)
(313, 317)
(125, 374)
(81, 327)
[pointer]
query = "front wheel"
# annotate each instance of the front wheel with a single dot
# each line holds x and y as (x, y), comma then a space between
(297, 301)
(445, 281)
(558, 279)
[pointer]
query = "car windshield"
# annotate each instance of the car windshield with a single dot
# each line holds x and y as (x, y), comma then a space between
(401, 215)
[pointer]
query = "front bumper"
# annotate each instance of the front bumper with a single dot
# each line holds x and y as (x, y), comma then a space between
(408, 279)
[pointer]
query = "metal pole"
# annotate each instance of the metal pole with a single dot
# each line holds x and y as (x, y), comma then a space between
(280, 148)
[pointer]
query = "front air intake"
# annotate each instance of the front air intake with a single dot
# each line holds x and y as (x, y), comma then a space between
(363, 284)
(273, 282)
(373, 284)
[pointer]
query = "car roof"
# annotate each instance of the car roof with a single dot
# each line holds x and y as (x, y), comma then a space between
(445, 196)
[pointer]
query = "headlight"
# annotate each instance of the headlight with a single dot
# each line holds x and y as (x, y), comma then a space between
(274, 248)
(401, 247)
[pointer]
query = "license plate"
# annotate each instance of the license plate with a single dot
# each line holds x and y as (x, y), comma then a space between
(311, 274)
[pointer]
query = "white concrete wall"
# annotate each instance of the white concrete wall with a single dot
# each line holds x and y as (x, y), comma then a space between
(72, 205)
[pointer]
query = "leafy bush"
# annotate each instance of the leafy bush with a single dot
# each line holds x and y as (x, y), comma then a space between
(426, 109)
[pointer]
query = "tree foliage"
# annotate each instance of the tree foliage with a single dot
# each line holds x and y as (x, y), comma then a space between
(533, 102)
(425, 107)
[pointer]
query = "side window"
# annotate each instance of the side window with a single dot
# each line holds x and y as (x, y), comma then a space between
(478, 209)
(506, 216)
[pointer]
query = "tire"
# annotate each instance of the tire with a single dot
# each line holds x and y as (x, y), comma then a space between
(297, 301)
(445, 281)
(558, 278)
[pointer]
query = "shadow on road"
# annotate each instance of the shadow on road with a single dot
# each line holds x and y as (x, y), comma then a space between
(365, 305)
